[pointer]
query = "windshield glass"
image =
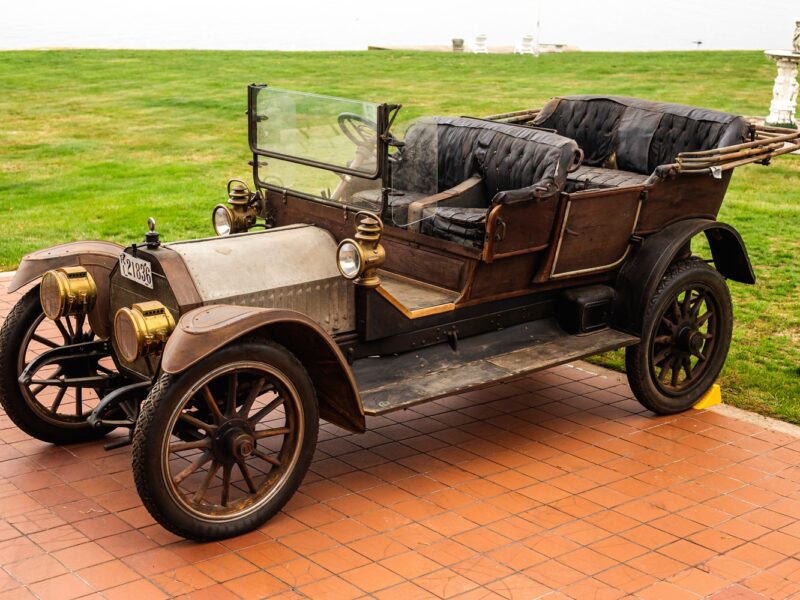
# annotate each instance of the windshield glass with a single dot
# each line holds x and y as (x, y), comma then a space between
(322, 131)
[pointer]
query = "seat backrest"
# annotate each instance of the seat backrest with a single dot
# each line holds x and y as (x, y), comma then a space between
(639, 135)
(506, 157)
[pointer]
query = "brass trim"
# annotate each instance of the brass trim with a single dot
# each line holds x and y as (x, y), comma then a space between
(151, 323)
(76, 289)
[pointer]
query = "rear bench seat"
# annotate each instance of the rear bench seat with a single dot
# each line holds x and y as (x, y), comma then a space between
(625, 139)
(511, 161)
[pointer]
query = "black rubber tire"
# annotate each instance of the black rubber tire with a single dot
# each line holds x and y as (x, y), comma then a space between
(24, 314)
(637, 358)
(153, 421)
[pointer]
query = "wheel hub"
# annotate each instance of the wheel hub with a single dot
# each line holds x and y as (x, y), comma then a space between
(233, 441)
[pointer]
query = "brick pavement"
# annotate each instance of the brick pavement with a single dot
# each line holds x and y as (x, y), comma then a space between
(558, 486)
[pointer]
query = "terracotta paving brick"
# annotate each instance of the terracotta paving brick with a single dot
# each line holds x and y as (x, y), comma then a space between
(558, 485)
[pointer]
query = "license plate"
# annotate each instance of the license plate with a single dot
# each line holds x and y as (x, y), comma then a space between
(136, 269)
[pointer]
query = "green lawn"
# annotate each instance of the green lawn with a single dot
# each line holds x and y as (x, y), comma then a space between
(94, 142)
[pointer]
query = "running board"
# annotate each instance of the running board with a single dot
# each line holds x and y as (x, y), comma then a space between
(389, 383)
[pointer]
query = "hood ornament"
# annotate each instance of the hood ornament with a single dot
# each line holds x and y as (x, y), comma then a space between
(151, 238)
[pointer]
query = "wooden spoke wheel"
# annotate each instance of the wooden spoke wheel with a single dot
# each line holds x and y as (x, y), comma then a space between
(220, 448)
(48, 407)
(685, 338)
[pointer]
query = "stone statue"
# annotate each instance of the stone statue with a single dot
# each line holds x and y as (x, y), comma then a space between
(796, 39)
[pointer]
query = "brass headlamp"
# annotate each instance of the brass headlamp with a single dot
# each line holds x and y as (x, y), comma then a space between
(359, 259)
(67, 291)
(142, 329)
(239, 214)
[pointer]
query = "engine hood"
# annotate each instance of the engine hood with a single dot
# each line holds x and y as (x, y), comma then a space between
(291, 267)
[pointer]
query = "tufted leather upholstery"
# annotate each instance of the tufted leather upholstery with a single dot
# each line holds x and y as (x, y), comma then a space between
(506, 157)
(638, 135)
(512, 162)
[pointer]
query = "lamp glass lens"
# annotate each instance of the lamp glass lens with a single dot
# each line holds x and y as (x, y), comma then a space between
(125, 336)
(349, 260)
(50, 296)
(222, 221)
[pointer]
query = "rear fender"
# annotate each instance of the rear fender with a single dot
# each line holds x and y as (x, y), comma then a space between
(204, 330)
(640, 275)
(98, 258)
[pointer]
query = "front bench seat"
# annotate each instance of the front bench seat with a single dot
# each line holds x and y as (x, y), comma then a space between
(513, 163)
(631, 136)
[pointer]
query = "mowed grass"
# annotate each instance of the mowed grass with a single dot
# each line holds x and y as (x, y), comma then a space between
(94, 142)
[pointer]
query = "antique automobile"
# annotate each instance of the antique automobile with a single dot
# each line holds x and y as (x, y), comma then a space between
(366, 272)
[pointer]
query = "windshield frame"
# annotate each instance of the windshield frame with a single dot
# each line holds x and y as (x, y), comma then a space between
(384, 121)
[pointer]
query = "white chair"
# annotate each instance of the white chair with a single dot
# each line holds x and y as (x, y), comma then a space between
(527, 46)
(479, 45)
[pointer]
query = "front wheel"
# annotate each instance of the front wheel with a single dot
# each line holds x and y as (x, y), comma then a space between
(221, 447)
(685, 338)
(48, 408)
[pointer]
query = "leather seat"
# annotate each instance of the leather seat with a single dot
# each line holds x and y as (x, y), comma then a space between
(513, 162)
(636, 136)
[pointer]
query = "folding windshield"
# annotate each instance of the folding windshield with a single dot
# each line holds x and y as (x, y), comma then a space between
(320, 146)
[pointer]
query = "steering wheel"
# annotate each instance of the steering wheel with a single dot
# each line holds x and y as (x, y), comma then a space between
(359, 130)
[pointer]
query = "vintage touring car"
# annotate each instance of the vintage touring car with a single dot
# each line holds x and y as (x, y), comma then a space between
(365, 273)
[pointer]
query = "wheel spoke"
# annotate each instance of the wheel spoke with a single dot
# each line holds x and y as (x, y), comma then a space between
(38, 389)
(265, 433)
(687, 366)
(195, 422)
(663, 339)
(63, 330)
(266, 410)
(105, 370)
(659, 358)
(247, 478)
(271, 460)
(79, 326)
(676, 371)
(201, 491)
(226, 484)
(57, 401)
(697, 305)
(687, 301)
(703, 318)
(192, 467)
(181, 446)
(79, 402)
(70, 330)
(258, 385)
(676, 311)
(43, 340)
(666, 321)
(212, 404)
(233, 388)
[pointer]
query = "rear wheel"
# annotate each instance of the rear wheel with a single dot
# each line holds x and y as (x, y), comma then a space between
(685, 338)
(221, 447)
(46, 408)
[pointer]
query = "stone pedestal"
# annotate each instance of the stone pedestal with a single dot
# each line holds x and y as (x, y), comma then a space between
(784, 90)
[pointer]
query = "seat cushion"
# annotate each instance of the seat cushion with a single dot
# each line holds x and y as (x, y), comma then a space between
(588, 178)
(467, 226)
(398, 203)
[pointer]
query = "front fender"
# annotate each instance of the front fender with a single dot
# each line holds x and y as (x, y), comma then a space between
(639, 278)
(98, 258)
(204, 330)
